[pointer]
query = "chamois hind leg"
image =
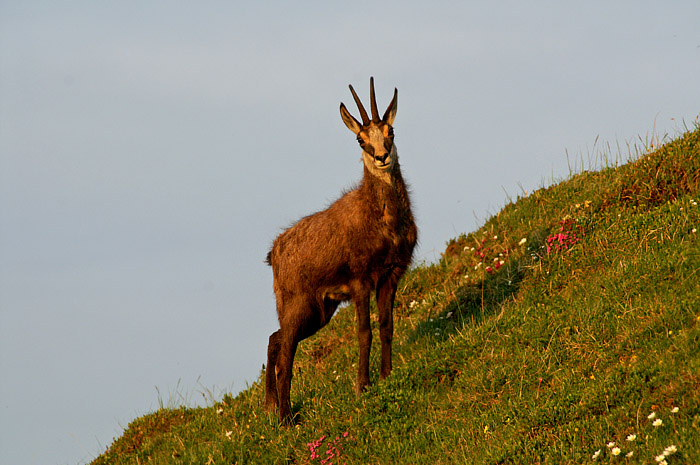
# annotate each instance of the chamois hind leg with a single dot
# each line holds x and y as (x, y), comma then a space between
(273, 349)
(364, 336)
(285, 362)
(386, 291)
(299, 320)
(302, 318)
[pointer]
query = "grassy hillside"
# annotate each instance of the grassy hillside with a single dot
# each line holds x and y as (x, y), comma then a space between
(568, 322)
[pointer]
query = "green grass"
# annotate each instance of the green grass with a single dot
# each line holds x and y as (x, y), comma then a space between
(504, 352)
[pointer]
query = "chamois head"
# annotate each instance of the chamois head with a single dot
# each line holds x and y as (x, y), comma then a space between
(376, 136)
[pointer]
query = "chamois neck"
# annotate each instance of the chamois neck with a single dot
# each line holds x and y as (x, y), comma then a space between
(384, 180)
(389, 199)
(389, 190)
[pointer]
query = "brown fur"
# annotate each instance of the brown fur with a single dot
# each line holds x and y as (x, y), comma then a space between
(361, 244)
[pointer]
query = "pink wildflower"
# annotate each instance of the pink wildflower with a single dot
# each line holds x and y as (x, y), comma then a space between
(567, 237)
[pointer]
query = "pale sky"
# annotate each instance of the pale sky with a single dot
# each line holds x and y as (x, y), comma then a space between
(151, 151)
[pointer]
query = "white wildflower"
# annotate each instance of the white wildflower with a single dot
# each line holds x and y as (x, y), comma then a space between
(522, 241)
(672, 449)
(631, 437)
(652, 415)
(629, 454)
(615, 451)
(658, 422)
(413, 304)
(228, 434)
(674, 410)
(595, 454)
(660, 458)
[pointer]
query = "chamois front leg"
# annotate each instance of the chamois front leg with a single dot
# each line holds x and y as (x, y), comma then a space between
(364, 336)
(386, 291)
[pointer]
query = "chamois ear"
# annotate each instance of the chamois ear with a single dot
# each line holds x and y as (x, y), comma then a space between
(390, 112)
(349, 120)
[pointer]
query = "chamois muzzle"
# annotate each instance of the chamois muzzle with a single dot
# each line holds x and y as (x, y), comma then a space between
(382, 159)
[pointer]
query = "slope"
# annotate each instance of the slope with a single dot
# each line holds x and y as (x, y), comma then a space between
(568, 322)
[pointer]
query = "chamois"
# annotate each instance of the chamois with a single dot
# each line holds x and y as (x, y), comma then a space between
(363, 242)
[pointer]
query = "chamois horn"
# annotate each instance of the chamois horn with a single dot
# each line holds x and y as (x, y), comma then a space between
(373, 100)
(363, 113)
